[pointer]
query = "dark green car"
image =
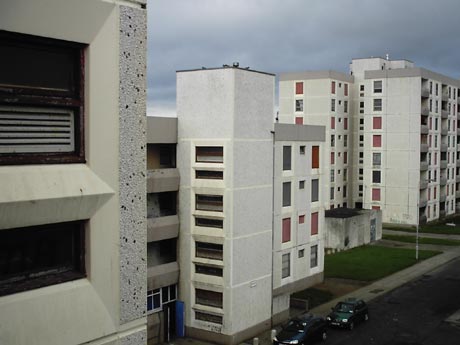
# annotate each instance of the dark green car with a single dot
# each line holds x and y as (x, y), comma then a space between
(348, 313)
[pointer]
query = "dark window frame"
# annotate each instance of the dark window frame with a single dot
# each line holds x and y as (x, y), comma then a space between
(18, 96)
(55, 268)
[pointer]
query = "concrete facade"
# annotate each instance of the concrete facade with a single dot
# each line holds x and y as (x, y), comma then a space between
(235, 276)
(108, 305)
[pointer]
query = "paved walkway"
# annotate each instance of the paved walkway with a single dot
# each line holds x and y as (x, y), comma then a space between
(378, 288)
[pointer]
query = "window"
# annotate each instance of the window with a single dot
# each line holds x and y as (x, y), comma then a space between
(332, 104)
(332, 122)
(377, 141)
(345, 123)
(332, 175)
(153, 301)
(41, 92)
(314, 223)
(331, 193)
(436, 88)
(377, 122)
(209, 250)
(315, 157)
(376, 176)
(301, 253)
(286, 194)
(345, 106)
(299, 88)
(332, 140)
(209, 154)
(286, 157)
(299, 120)
(286, 233)
(333, 87)
(361, 87)
(209, 298)
(209, 174)
(314, 256)
(332, 158)
(314, 190)
(285, 265)
(37, 256)
(212, 203)
(345, 157)
(209, 222)
(299, 105)
(302, 149)
(345, 90)
(345, 140)
(377, 86)
(301, 184)
(376, 194)
(376, 158)
(208, 270)
(345, 175)
(302, 219)
(431, 87)
(217, 319)
(344, 192)
(377, 104)
(167, 156)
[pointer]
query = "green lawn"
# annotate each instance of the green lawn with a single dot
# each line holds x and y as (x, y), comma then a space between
(314, 296)
(434, 227)
(368, 263)
(421, 240)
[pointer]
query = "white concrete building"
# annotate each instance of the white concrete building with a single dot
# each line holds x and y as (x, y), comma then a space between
(405, 152)
(237, 269)
(72, 172)
(323, 98)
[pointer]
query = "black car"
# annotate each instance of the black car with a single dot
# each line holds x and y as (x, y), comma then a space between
(304, 329)
(347, 313)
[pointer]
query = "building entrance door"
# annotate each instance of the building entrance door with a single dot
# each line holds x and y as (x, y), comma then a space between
(169, 310)
(373, 229)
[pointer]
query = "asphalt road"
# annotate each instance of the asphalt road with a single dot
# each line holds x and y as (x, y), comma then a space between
(413, 314)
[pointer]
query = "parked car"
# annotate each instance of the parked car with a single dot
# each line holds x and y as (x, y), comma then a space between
(347, 313)
(304, 329)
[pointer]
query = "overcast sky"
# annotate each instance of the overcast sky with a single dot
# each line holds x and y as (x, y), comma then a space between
(294, 35)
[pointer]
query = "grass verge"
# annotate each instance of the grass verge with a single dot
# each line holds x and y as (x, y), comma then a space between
(314, 296)
(369, 263)
(421, 240)
(438, 227)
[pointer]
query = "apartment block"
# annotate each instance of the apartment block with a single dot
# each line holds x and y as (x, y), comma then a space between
(72, 172)
(400, 123)
(162, 229)
(250, 210)
(406, 148)
(323, 98)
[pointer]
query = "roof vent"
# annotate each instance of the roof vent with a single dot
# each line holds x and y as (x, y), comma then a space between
(236, 64)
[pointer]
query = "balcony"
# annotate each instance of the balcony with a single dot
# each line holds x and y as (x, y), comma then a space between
(423, 184)
(424, 166)
(423, 129)
(442, 197)
(422, 219)
(458, 163)
(443, 147)
(162, 228)
(443, 164)
(458, 116)
(444, 114)
(425, 111)
(162, 275)
(443, 180)
(445, 96)
(458, 131)
(443, 131)
(457, 194)
(425, 92)
(162, 180)
(423, 147)
(442, 213)
(457, 178)
(422, 202)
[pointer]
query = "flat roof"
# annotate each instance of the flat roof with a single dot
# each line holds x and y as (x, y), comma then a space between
(247, 69)
(310, 75)
(343, 212)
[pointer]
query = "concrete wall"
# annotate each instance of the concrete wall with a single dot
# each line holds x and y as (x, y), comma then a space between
(109, 304)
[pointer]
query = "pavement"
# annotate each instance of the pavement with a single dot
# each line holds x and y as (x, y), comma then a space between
(375, 289)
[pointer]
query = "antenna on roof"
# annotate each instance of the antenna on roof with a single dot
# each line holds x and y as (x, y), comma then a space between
(387, 56)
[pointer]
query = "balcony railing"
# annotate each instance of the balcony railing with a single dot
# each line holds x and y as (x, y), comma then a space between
(442, 198)
(423, 147)
(443, 164)
(423, 166)
(443, 131)
(458, 163)
(443, 180)
(423, 184)
(425, 111)
(425, 92)
(444, 113)
(445, 96)
(422, 219)
(423, 129)
(162, 228)
(162, 275)
(422, 202)
(457, 194)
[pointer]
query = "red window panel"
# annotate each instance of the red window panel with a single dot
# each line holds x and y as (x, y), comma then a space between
(377, 122)
(376, 207)
(314, 223)
(429, 194)
(345, 123)
(345, 157)
(332, 158)
(299, 88)
(299, 120)
(315, 157)
(333, 87)
(286, 235)
(345, 90)
(377, 141)
(376, 194)
(431, 122)
(435, 158)
(429, 140)
(302, 219)
(434, 193)
(332, 122)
